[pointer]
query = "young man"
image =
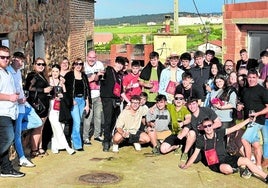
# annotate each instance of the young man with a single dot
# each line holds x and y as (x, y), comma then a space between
(188, 88)
(254, 97)
(94, 70)
(245, 61)
(264, 60)
(150, 76)
(180, 118)
(213, 145)
(131, 84)
(197, 115)
(8, 100)
(128, 125)
(170, 78)
(27, 118)
(158, 119)
(110, 93)
(200, 73)
(185, 60)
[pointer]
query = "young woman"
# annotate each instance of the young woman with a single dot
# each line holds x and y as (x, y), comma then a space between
(58, 140)
(223, 101)
(215, 69)
(39, 88)
(78, 89)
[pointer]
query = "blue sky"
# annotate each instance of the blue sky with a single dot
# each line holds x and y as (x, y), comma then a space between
(119, 8)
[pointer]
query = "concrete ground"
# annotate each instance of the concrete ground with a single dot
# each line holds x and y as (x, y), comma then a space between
(133, 168)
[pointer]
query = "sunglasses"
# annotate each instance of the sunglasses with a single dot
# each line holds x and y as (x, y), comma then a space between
(78, 64)
(178, 98)
(206, 126)
(4, 57)
(41, 64)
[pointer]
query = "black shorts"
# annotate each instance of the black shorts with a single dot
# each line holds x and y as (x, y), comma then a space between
(230, 160)
(174, 140)
(134, 138)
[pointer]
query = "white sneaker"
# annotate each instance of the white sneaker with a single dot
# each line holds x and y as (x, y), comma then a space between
(70, 151)
(26, 163)
(137, 146)
(115, 148)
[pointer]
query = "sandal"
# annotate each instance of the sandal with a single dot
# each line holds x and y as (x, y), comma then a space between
(42, 152)
(35, 153)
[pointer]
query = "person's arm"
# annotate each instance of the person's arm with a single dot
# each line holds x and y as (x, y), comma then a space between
(262, 112)
(187, 120)
(9, 97)
(216, 123)
(123, 95)
(237, 126)
(191, 160)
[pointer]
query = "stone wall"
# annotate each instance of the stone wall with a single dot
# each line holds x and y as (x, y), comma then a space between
(66, 25)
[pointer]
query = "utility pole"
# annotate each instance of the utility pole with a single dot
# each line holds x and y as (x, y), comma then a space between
(176, 17)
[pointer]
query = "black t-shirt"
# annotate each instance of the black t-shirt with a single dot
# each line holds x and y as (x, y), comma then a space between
(217, 141)
(250, 64)
(255, 98)
(192, 92)
(107, 85)
(204, 112)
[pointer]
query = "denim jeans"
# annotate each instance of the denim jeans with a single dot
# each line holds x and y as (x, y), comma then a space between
(25, 121)
(77, 113)
(6, 139)
(265, 139)
(95, 114)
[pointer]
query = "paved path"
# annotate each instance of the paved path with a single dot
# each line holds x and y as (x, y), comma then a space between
(134, 168)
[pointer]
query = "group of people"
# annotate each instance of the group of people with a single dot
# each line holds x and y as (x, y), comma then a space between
(219, 109)
(187, 105)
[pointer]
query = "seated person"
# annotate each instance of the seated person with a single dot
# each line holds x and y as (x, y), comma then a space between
(180, 118)
(158, 119)
(219, 160)
(128, 124)
(197, 115)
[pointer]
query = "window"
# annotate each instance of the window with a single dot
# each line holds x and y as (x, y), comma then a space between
(4, 40)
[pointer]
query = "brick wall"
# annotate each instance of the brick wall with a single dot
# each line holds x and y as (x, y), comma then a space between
(81, 27)
(127, 50)
(235, 35)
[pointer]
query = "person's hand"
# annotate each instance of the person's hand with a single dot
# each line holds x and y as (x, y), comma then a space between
(13, 97)
(86, 109)
(208, 88)
(125, 134)
(62, 80)
(48, 89)
(22, 101)
(183, 166)
(239, 106)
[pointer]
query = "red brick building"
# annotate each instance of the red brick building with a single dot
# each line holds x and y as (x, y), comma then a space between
(245, 25)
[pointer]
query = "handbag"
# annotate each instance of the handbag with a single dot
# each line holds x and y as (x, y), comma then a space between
(155, 87)
(211, 155)
(56, 105)
(38, 105)
(171, 87)
(117, 87)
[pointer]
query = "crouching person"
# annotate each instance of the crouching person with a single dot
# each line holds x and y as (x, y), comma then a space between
(128, 124)
(218, 160)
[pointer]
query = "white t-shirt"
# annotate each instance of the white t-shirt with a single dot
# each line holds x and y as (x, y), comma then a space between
(98, 66)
